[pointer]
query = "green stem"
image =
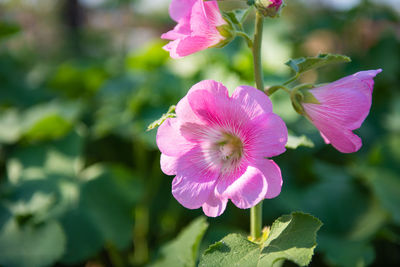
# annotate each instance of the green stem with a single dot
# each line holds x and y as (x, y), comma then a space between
(256, 211)
(292, 79)
(246, 37)
(258, 73)
(275, 88)
(256, 221)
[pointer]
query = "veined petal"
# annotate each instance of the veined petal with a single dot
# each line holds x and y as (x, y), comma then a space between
(191, 44)
(266, 137)
(245, 191)
(345, 105)
(253, 101)
(205, 18)
(341, 138)
(169, 139)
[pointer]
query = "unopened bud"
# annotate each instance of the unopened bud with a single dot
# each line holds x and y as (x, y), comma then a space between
(269, 8)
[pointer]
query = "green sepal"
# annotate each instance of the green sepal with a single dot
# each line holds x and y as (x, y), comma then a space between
(227, 31)
(309, 98)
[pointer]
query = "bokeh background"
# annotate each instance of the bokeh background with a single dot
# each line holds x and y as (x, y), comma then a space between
(80, 80)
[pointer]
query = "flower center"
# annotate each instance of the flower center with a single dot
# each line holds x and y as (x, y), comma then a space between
(230, 148)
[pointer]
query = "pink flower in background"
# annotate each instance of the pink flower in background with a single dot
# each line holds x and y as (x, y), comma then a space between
(343, 107)
(196, 29)
(217, 146)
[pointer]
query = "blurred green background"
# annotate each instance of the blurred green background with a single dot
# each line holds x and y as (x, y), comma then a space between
(80, 182)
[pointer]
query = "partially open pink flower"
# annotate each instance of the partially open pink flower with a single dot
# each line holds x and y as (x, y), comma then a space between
(343, 107)
(217, 146)
(196, 29)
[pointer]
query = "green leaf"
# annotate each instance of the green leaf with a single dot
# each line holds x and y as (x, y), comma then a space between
(386, 186)
(10, 126)
(346, 253)
(39, 160)
(170, 114)
(232, 250)
(183, 250)
(49, 121)
(8, 29)
(109, 199)
(31, 245)
(303, 64)
(292, 237)
(296, 141)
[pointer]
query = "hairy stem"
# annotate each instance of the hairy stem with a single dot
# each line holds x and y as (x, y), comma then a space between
(258, 73)
(256, 211)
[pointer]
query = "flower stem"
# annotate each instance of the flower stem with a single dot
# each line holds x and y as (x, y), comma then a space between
(256, 211)
(258, 73)
(256, 221)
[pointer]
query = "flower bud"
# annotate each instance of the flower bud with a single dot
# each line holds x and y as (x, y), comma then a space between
(269, 8)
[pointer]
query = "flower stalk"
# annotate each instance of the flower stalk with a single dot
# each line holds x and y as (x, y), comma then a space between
(256, 211)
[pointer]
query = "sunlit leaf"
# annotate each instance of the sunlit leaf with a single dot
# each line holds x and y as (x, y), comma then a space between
(292, 237)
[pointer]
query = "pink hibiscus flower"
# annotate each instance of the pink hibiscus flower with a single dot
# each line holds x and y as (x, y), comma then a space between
(217, 146)
(343, 107)
(197, 27)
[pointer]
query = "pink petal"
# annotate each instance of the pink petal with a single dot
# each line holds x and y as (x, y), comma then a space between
(181, 30)
(245, 191)
(192, 44)
(341, 138)
(253, 101)
(195, 179)
(345, 105)
(171, 48)
(191, 194)
(272, 174)
(213, 109)
(267, 137)
(205, 17)
(214, 206)
(169, 139)
(180, 8)
(183, 109)
(168, 164)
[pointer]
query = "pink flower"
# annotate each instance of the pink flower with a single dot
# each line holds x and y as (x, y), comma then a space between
(343, 107)
(217, 146)
(197, 28)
